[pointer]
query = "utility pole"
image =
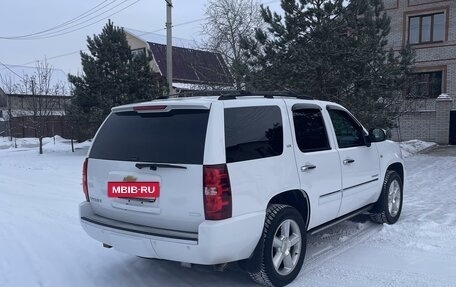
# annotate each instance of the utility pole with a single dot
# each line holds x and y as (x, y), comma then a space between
(169, 46)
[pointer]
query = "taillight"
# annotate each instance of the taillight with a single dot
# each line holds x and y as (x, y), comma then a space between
(217, 192)
(85, 187)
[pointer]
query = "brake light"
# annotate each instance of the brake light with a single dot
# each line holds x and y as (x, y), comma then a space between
(149, 108)
(217, 192)
(85, 187)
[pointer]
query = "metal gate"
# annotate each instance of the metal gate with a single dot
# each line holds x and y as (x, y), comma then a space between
(453, 128)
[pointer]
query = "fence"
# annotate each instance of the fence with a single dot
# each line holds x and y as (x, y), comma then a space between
(23, 126)
(427, 125)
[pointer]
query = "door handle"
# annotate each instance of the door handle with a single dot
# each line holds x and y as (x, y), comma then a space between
(348, 161)
(308, 167)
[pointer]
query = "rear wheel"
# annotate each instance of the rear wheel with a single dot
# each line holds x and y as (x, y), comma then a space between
(281, 251)
(389, 206)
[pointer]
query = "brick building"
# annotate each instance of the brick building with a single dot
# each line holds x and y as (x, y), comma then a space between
(429, 26)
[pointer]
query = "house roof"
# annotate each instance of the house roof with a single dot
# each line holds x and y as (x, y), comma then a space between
(193, 66)
(151, 37)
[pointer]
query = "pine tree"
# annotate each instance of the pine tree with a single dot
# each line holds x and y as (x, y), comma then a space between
(111, 76)
(335, 51)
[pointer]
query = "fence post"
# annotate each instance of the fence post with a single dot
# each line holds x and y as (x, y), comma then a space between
(443, 105)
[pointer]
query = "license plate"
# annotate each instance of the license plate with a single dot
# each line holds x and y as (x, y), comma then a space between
(133, 189)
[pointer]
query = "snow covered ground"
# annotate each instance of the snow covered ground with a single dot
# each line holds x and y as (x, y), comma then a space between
(52, 144)
(42, 243)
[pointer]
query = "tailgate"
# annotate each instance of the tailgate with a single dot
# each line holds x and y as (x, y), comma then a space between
(178, 207)
(164, 147)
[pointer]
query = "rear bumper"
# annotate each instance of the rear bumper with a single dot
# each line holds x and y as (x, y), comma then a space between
(216, 241)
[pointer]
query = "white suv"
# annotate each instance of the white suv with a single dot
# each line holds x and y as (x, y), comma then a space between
(237, 177)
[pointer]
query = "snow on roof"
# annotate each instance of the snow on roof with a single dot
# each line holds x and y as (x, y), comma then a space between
(161, 39)
(11, 75)
(198, 87)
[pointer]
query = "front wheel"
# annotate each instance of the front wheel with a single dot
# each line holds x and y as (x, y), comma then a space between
(283, 247)
(389, 206)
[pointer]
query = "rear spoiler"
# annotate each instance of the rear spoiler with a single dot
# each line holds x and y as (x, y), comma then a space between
(159, 107)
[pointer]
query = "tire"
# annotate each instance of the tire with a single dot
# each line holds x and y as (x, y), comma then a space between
(389, 205)
(289, 251)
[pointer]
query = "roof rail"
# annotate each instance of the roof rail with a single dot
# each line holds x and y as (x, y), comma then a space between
(265, 94)
(234, 94)
(200, 93)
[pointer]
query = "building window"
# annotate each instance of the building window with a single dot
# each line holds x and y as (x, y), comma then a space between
(137, 52)
(426, 85)
(427, 28)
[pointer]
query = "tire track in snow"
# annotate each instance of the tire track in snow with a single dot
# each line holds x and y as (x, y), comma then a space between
(338, 243)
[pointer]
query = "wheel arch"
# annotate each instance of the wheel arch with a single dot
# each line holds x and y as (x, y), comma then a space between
(399, 168)
(297, 199)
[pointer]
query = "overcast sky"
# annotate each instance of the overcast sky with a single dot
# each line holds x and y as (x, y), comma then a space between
(24, 17)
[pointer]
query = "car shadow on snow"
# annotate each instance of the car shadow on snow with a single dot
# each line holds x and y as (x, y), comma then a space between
(155, 272)
(320, 247)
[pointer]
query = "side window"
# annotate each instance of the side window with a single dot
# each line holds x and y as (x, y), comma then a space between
(348, 132)
(310, 130)
(253, 133)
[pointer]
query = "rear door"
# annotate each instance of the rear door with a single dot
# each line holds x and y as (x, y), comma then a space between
(258, 150)
(360, 164)
(317, 161)
(162, 144)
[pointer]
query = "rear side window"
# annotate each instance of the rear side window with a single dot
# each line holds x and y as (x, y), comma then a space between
(253, 133)
(310, 130)
(177, 136)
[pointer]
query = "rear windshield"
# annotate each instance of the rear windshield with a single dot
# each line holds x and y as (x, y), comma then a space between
(177, 136)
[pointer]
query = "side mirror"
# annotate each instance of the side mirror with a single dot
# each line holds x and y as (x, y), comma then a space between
(377, 135)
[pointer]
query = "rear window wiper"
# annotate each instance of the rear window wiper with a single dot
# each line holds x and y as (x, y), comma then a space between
(154, 166)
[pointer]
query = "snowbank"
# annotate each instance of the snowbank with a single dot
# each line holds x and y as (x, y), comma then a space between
(412, 147)
(57, 143)
(50, 144)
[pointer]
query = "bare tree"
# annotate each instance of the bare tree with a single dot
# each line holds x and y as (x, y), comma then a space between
(9, 86)
(228, 21)
(40, 103)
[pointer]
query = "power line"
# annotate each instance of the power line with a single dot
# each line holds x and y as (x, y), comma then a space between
(81, 16)
(196, 20)
(176, 25)
(61, 31)
(48, 33)
(12, 71)
(145, 33)
(58, 56)
(85, 15)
